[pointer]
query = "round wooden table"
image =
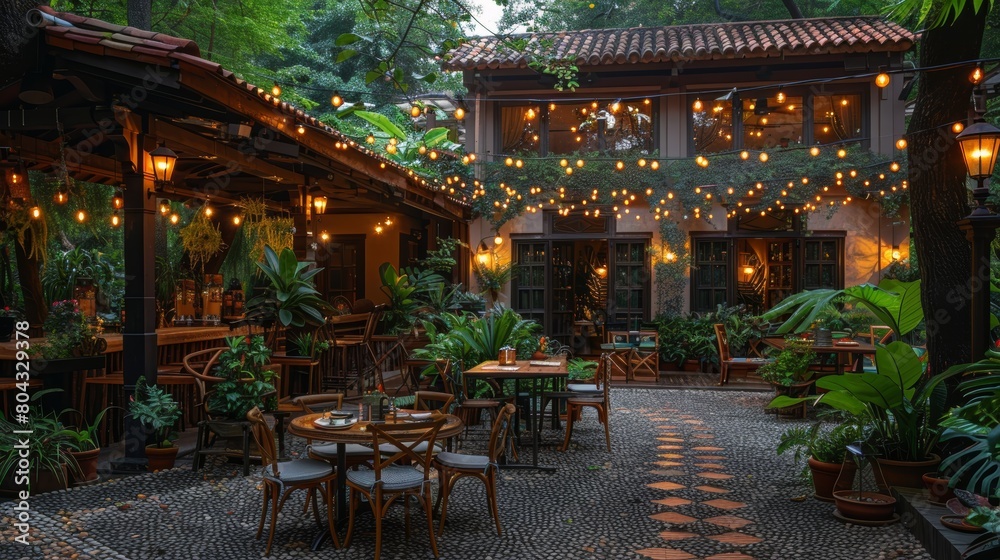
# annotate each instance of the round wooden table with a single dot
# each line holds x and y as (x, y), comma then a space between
(304, 427)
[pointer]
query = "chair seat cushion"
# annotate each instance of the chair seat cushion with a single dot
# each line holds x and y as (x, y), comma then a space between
(583, 388)
(584, 400)
(389, 449)
(463, 461)
(394, 477)
(301, 470)
(329, 450)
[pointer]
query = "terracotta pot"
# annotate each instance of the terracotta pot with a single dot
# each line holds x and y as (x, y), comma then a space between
(825, 477)
(904, 474)
(48, 481)
(871, 506)
(540, 356)
(691, 365)
(937, 487)
(86, 462)
(160, 458)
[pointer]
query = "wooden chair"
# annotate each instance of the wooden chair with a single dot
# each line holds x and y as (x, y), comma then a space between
(389, 481)
(281, 479)
(341, 305)
(357, 454)
(433, 400)
(644, 360)
(601, 403)
(726, 361)
(469, 409)
(453, 466)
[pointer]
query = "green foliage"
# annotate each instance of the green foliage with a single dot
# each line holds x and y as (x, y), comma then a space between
(64, 268)
(492, 275)
(247, 381)
(692, 337)
(49, 441)
(442, 259)
(671, 275)
(467, 340)
(291, 297)
(581, 369)
(976, 424)
(84, 437)
(201, 238)
(154, 408)
(66, 331)
(896, 304)
(825, 446)
(791, 365)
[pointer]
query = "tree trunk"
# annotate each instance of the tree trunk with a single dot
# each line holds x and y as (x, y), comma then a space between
(140, 14)
(793, 9)
(938, 193)
(35, 306)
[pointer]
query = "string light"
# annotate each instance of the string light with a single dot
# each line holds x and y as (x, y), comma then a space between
(116, 220)
(901, 144)
(276, 90)
(415, 111)
(117, 202)
(459, 113)
(60, 197)
(697, 106)
(370, 138)
(957, 127)
(336, 100)
(301, 129)
(882, 80)
(35, 212)
(780, 97)
(237, 219)
(977, 75)
(164, 208)
(81, 216)
(814, 151)
(763, 157)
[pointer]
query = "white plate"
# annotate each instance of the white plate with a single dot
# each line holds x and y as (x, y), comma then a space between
(421, 415)
(324, 423)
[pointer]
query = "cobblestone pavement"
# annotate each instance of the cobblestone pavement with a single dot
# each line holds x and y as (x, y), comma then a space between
(693, 474)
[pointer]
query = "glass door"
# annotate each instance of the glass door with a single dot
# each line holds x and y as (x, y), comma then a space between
(528, 282)
(563, 290)
(630, 283)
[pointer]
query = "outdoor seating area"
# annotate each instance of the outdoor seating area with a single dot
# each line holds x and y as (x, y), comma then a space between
(475, 279)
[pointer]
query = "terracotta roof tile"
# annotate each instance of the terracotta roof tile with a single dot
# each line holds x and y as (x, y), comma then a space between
(707, 41)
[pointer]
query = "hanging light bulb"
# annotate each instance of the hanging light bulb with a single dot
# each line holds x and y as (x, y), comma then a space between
(116, 220)
(841, 153)
(370, 139)
(117, 202)
(697, 106)
(415, 110)
(654, 165)
(208, 211)
(530, 114)
(814, 151)
(237, 220)
(901, 144)
(459, 113)
(378, 229)
(174, 218)
(780, 97)
(81, 215)
(958, 127)
(276, 90)
(336, 100)
(301, 129)
(619, 165)
(164, 208)
(324, 236)
(763, 157)
(977, 75)
(882, 80)
(35, 212)
(60, 197)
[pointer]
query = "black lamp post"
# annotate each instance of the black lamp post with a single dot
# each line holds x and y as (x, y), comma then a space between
(980, 145)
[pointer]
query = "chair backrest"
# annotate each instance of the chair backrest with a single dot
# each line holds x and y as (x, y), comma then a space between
(320, 402)
(722, 338)
(405, 437)
(879, 334)
(199, 365)
(433, 400)
(372, 325)
(363, 305)
(355, 324)
(498, 435)
(606, 381)
(264, 437)
(341, 305)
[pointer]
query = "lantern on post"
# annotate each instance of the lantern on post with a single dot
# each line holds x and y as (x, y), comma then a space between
(980, 144)
(319, 203)
(164, 160)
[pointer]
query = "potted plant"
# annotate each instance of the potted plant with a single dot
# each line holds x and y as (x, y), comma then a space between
(247, 380)
(85, 448)
(155, 409)
(581, 370)
(47, 461)
(789, 372)
(861, 505)
(825, 451)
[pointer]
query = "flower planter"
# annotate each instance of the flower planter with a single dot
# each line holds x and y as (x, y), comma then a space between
(86, 471)
(825, 477)
(937, 487)
(904, 474)
(864, 506)
(160, 458)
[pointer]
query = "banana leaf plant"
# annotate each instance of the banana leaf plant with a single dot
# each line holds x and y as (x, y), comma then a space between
(895, 303)
(409, 147)
(291, 297)
(976, 423)
(902, 408)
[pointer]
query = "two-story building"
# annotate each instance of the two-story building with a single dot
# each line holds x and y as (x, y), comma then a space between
(668, 95)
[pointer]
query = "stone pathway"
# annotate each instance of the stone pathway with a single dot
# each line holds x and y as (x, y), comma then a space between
(693, 474)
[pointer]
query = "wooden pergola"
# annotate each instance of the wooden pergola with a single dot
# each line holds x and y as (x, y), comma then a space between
(101, 96)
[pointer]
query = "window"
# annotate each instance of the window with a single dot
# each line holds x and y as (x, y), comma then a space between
(711, 126)
(837, 118)
(762, 121)
(578, 126)
(528, 286)
(631, 283)
(519, 129)
(343, 262)
(768, 123)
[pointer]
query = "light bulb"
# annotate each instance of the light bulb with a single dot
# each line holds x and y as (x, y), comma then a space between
(237, 219)
(882, 80)
(276, 90)
(174, 218)
(116, 220)
(35, 212)
(81, 216)
(459, 113)
(336, 100)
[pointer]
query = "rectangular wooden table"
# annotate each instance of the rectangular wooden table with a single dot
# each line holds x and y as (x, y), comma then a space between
(523, 370)
(860, 349)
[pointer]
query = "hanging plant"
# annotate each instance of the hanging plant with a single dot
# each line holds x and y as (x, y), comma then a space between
(256, 231)
(202, 239)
